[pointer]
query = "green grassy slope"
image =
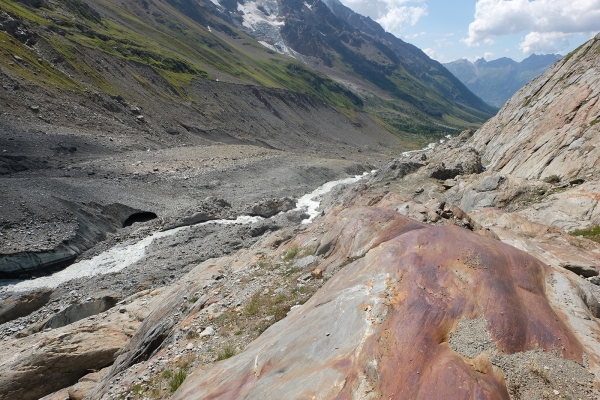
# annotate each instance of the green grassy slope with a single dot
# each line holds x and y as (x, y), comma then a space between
(173, 38)
(166, 40)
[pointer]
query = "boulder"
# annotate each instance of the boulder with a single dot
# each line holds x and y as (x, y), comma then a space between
(61, 356)
(64, 355)
(16, 29)
(489, 183)
(270, 207)
(396, 169)
(453, 162)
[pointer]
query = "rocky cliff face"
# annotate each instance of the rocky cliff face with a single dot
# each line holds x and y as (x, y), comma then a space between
(550, 126)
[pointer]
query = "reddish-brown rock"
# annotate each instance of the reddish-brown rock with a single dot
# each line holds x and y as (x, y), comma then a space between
(380, 327)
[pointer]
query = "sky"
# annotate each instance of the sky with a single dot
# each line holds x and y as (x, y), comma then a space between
(449, 30)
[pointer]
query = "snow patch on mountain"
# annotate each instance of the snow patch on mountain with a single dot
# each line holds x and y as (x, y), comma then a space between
(259, 13)
(261, 18)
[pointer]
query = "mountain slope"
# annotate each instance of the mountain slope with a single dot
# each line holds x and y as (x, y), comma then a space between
(185, 40)
(416, 62)
(418, 94)
(148, 72)
(549, 127)
(496, 81)
(157, 35)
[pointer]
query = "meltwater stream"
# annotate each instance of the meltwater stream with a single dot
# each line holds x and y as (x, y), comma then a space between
(128, 253)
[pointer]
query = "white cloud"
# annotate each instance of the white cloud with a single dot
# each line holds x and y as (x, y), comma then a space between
(549, 23)
(393, 15)
(544, 42)
(431, 53)
(488, 55)
(414, 35)
(398, 17)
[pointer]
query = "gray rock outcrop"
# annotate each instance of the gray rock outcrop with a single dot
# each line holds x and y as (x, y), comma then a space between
(549, 127)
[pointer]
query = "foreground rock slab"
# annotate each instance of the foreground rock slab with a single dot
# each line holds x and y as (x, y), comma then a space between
(381, 327)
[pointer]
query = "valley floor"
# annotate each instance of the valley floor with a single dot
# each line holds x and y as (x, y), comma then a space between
(217, 302)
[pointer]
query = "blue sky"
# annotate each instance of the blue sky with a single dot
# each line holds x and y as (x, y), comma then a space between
(449, 30)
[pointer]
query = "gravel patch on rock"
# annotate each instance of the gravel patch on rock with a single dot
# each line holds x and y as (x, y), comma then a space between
(529, 376)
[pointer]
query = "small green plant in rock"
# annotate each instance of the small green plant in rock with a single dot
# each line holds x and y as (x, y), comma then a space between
(137, 389)
(290, 254)
(253, 307)
(592, 233)
(227, 352)
(307, 251)
(177, 378)
(191, 334)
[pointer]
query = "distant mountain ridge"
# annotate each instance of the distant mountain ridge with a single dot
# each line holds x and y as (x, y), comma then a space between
(339, 57)
(497, 80)
(405, 89)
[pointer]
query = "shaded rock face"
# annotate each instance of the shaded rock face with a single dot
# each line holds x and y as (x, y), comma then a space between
(17, 29)
(73, 313)
(94, 221)
(64, 355)
(85, 385)
(398, 306)
(549, 127)
(585, 270)
(20, 305)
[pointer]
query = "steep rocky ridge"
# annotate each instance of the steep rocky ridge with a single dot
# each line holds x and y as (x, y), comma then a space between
(498, 80)
(549, 127)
